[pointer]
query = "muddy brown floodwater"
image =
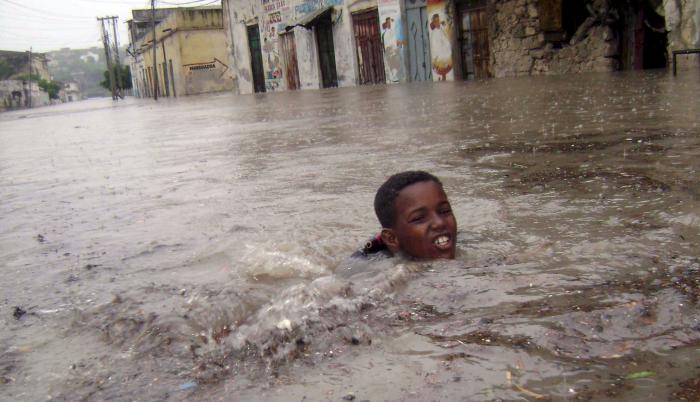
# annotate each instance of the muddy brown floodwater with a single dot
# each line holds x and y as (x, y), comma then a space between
(196, 249)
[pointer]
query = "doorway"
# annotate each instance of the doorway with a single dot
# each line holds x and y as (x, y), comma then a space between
(474, 39)
(643, 38)
(419, 64)
(326, 52)
(256, 62)
(368, 43)
(291, 66)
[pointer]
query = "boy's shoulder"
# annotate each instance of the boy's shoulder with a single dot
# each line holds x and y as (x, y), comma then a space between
(373, 248)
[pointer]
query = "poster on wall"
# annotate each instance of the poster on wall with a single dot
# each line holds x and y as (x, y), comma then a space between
(441, 24)
(394, 40)
(276, 15)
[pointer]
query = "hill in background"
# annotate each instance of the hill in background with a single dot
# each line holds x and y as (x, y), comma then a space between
(86, 67)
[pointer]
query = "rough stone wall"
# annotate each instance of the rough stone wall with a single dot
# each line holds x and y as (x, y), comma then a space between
(518, 45)
(16, 64)
(683, 26)
(14, 93)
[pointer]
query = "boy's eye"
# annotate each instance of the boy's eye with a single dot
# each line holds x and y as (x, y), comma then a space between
(417, 218)
(445, 210)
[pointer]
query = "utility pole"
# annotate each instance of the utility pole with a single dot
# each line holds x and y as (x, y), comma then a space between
(155, 66)
(108, 56)
(116, 56)
(29, 97)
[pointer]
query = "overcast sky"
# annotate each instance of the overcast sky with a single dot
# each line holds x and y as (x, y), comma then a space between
(47, 25)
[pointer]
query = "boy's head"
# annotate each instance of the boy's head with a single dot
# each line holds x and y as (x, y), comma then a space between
(416, 216)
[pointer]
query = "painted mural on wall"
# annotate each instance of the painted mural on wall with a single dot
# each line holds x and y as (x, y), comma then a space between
(276, 14)
(393, 39)
(441, 28)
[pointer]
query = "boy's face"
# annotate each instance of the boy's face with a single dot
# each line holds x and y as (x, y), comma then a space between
(425, 226)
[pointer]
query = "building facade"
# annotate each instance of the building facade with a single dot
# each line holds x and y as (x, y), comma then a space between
(191, 54)
(15, 94)
(304, 44)
(70, 92)
(16, 91)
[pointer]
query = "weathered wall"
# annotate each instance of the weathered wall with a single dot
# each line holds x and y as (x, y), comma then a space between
(272, 17)
(14, 94)
(518, 45)
(194, 43)
(344, 42)
(522, 39)
(13, 64)
(203, 62)
(309, 72)
(683, 24)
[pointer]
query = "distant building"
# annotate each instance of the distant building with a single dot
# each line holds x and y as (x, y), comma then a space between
(15, 88)
(71, 92)
(191, 53)
(15, 94)
(89, 55)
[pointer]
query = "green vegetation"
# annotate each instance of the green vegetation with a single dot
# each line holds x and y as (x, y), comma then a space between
(51, 87)
(123, 72)
(6, 70)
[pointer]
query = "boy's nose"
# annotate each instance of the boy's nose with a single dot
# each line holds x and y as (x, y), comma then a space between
(437, 221)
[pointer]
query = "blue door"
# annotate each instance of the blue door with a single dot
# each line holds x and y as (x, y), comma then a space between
(418, 43)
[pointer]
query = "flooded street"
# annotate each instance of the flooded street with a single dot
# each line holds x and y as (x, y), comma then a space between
(197, 248)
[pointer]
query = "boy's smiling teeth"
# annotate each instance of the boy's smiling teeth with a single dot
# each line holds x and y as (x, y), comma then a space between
(442, 241)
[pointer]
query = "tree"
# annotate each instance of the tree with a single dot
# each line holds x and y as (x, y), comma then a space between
(51, 87)
(120, 71)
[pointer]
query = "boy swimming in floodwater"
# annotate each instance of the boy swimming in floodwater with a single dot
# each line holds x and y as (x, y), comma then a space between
(416, 218)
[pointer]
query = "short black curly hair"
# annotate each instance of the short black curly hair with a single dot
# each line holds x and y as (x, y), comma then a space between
(386, 195)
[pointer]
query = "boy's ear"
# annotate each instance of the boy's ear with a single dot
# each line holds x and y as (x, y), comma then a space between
(389, 238)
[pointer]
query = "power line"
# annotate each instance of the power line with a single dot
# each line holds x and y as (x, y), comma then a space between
(44, 12)
(123, 3)
(20, 29)
(210, 3)
(184, 3)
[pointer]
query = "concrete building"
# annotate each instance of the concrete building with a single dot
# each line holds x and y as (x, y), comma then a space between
(70, 92)
(303, 44)
(15, 89)
(15, 94)
(191, 52)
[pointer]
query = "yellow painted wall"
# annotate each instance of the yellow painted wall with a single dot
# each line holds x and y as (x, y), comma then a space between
(194, 40)
(205, 61)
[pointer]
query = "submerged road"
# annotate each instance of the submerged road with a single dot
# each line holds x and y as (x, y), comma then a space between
(196, 248)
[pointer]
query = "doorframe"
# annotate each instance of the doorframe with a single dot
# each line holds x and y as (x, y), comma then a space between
(326, 24)
(382, 71)
(465, 5)
(262, 86)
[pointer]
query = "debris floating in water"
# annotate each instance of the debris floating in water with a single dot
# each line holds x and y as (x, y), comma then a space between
(285, 324)
(640, 374)
(18, 312)
(188, 386)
